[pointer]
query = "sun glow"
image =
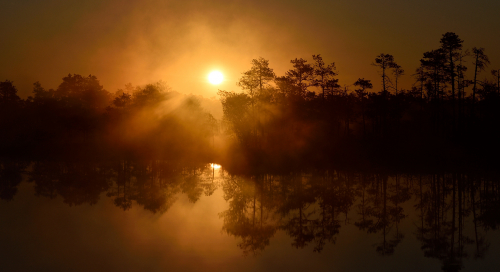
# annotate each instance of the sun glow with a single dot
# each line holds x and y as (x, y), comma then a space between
(215, 77)
(215, 166)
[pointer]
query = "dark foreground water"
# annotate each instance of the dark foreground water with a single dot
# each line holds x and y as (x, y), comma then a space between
(159, 216)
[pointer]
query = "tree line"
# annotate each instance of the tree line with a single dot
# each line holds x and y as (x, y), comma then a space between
(307, 118)
(304, 118)
(80, 119)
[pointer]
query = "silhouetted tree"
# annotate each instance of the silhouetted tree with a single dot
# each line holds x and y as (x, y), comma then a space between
(79, 91)
(249, 82)
(480, 63)
(150, 95)
(496, 73)
(301, 75)
(451, 44)
(236, 109)
(324, 75)
(462, 83)
(122, 100)
(287, 88)
(433, 63)
(384, 62)
(255, 81)
(397, 71)
(364, 85)
(261, 71)
(8, 93)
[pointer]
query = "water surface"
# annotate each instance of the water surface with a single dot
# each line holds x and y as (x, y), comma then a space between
(157, 216)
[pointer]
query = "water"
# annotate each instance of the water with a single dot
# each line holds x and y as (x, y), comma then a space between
(157, 216)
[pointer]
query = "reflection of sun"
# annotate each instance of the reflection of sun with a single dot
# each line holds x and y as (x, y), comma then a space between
(215, 77)
(215, 166)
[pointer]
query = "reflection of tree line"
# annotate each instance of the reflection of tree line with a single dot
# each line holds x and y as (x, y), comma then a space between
(312, 208)
(153, 185)
(446, 204)
(455, 211)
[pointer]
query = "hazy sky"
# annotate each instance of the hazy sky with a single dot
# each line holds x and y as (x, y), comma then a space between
(180, 42)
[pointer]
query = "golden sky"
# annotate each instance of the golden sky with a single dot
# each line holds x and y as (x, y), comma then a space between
(180, 42)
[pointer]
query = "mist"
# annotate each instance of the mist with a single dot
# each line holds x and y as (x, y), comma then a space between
(82, 120)
(342, 131)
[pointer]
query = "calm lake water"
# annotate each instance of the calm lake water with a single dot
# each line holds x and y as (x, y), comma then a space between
(159, 216)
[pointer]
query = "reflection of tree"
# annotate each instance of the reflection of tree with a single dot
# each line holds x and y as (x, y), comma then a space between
(157, 183)
(198, 181)
(485, 198)
(446, 201)
(489, 203)
(10, 178)
(191, 186)
(433, 232)
(295, 210)
(306, 207)
(248, 215)
(455, 210)
(151, 189)
(364, 209)
(336, 196)
(377, 213)
(122, 189)
(399, 195)
(76, 183)
(151, 184)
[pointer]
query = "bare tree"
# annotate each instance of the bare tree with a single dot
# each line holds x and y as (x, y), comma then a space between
(384, 62)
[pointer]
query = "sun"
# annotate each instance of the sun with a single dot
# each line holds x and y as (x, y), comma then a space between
(215, 77)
